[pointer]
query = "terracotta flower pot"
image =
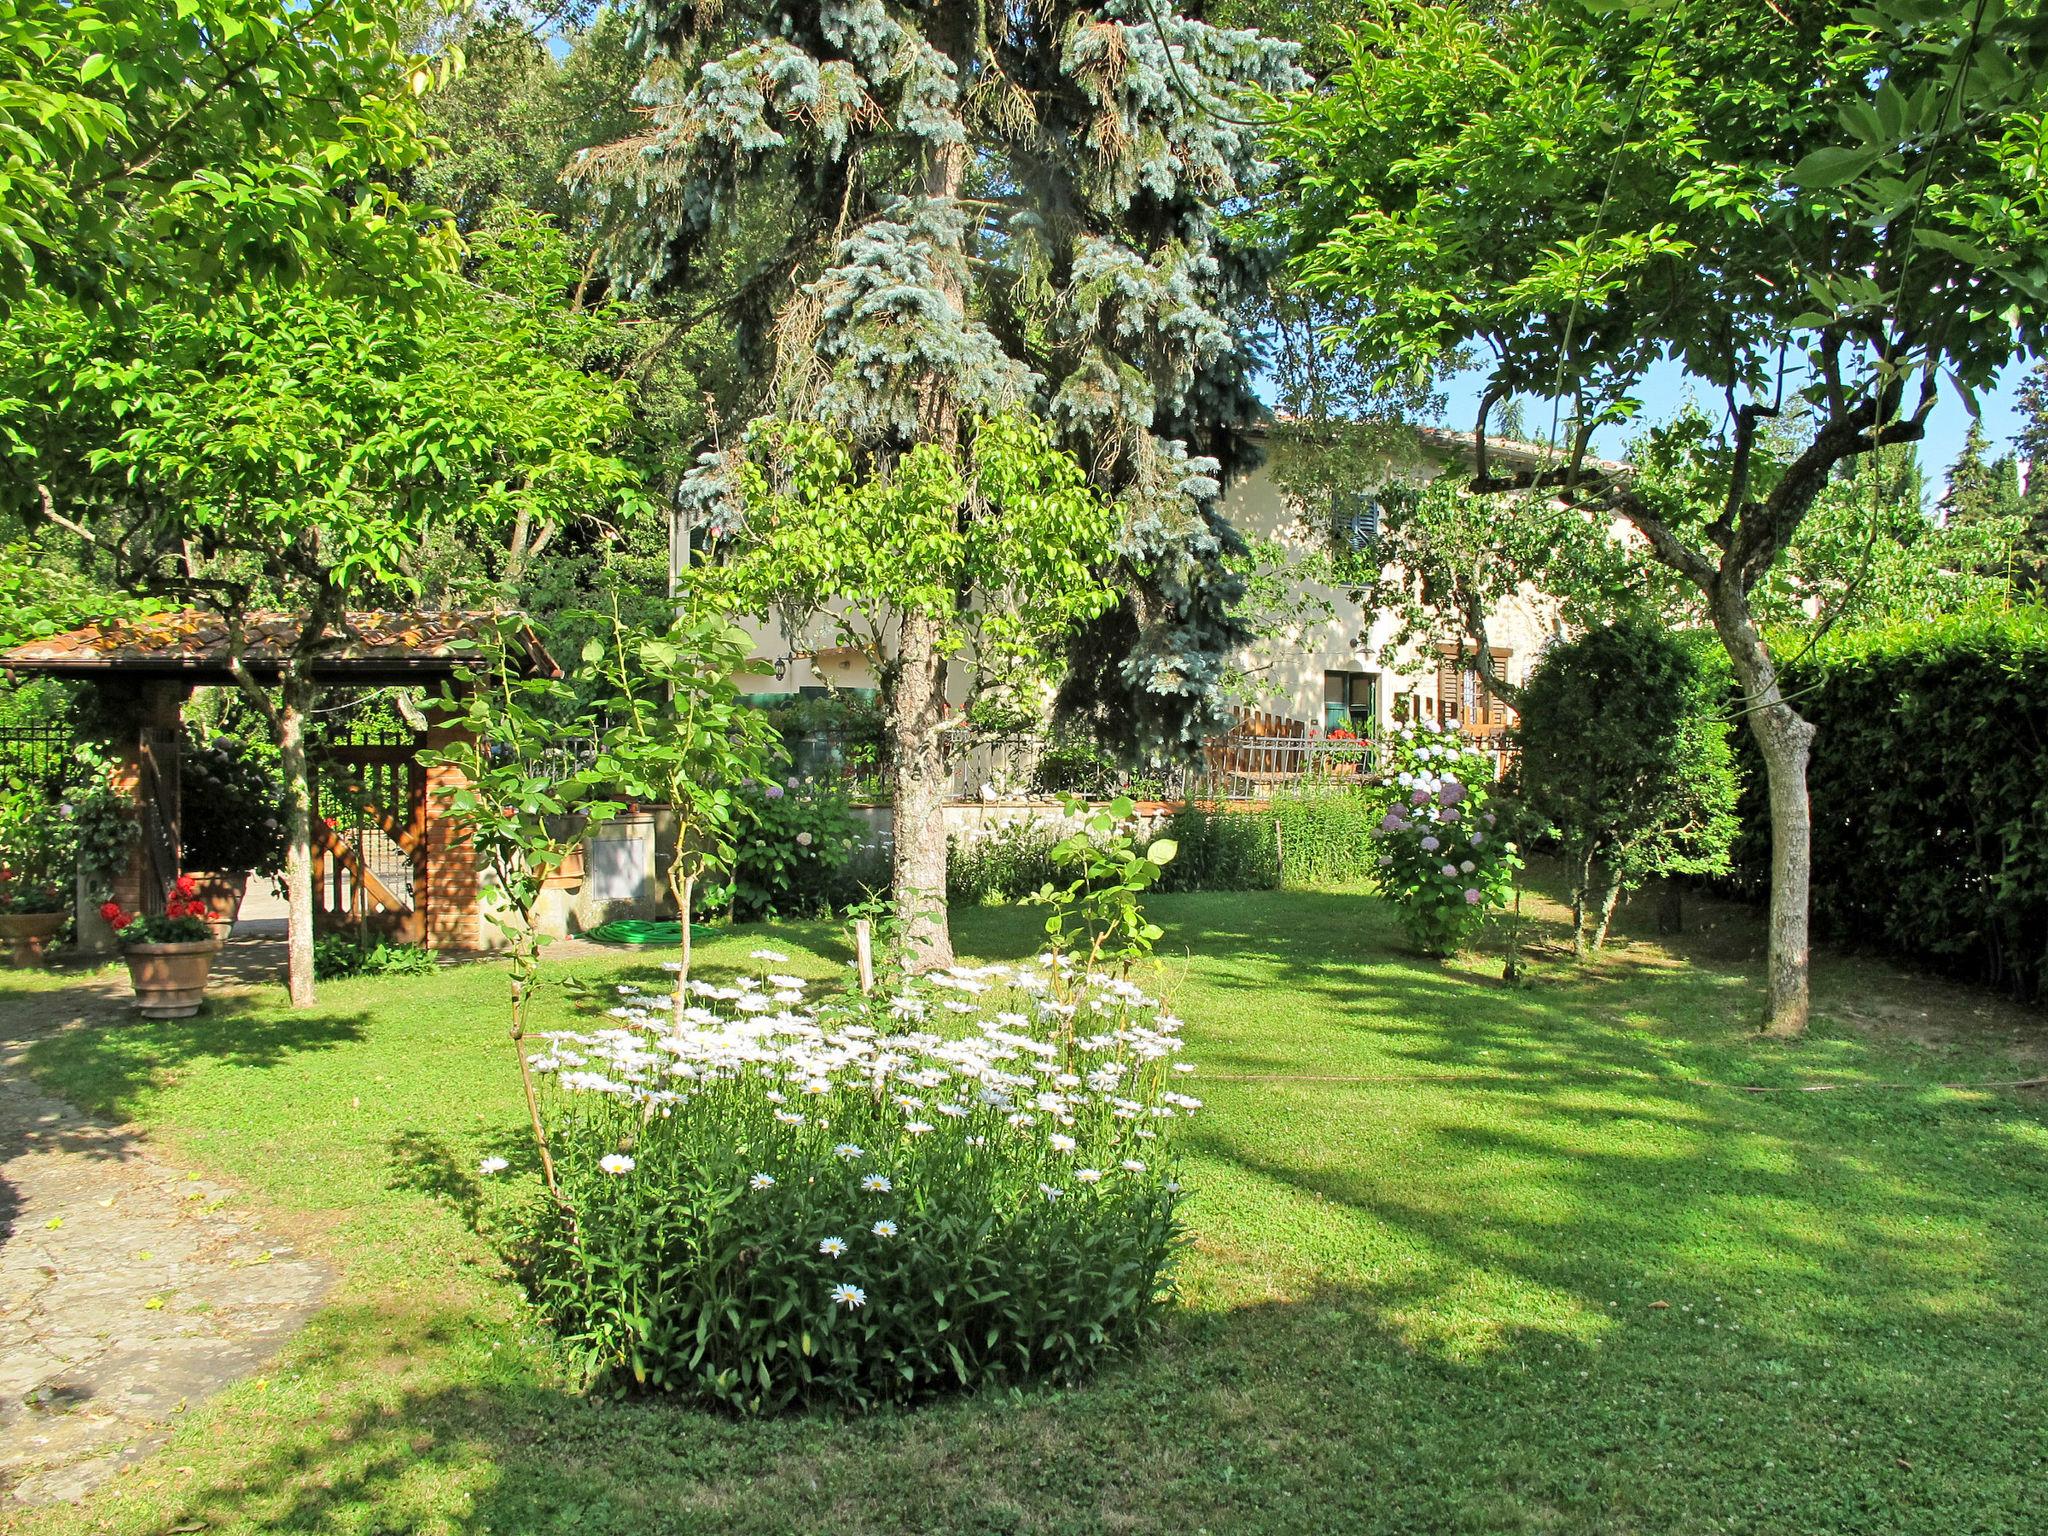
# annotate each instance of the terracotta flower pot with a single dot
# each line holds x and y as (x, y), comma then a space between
(169, 979)
(222, 892)
(27, 934)
(568, 875)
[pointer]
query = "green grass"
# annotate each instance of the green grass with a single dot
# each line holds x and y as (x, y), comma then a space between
(1541, 1270)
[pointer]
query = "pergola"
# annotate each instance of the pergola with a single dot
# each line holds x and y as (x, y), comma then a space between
(388, 857)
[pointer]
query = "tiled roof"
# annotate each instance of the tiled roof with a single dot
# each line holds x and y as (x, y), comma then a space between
(193, 644)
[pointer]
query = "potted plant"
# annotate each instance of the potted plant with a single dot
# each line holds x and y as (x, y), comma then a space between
(1341, 760)
(232, 824)
(38, 851)
(169, 954)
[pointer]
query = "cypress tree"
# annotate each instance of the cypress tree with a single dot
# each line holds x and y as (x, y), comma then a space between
(929, 213)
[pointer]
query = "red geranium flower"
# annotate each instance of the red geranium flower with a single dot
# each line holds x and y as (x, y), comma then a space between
(185, 885)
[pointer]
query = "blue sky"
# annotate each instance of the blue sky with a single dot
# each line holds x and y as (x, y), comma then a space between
(1666, 387)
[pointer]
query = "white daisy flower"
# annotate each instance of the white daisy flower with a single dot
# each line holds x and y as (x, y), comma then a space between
(883, 1229)
(773, 956)
(615, 1162)
(1131, 1165)
(848, 1150)
(876, 1184)
(492, 1165)
(1087, 1175)
(1049, 1192)
(849, 1296)
(916, 1127)
(761, 1181)
(832, 1247)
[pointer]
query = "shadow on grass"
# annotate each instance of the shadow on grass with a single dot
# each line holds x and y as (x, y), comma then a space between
(104, 1060)
(1313, 1414)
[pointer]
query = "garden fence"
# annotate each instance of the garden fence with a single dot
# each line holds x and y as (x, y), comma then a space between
(35, 758)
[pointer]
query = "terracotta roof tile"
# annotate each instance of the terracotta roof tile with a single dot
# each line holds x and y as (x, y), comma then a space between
(195, 644)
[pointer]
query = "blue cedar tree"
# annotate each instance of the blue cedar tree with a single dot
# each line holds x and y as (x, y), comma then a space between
(968, 210)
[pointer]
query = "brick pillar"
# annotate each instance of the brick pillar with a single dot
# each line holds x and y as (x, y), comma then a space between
(448, 893)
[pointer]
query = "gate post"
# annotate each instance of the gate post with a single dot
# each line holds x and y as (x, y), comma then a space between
(157, 704)
(447, 892)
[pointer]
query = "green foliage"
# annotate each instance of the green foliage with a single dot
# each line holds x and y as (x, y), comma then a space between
(338, 956)
(1326, 831)
(995, 866)
(524, 795)
(38, 851)
(103, 818)
(1930, 828)
(1623, 751)
(833, 1223)
(1444, 559)
(207, 143)
(793, 842)
(840, 738)
(231, 808)
(1221, 850)
(678, 735)
(1101, 912)
(824, 536)
(1441, 856)
(302, 429)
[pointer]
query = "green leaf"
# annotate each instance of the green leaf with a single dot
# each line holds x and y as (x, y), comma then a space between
(1833, 166)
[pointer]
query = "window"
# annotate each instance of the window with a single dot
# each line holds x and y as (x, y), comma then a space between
(1349, 700)
(1354, 521)
(1461, 699)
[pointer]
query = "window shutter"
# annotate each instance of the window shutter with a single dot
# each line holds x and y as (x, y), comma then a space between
(1354, 520)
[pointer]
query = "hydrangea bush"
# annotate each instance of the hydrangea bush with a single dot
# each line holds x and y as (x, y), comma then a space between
(770, 1203)
(794, 839)
(1441, 861)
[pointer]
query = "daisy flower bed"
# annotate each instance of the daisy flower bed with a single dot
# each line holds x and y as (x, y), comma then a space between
(769, 1203)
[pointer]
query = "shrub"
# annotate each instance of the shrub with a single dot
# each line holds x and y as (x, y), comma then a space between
(772, 1204)
(1326, 831)
(793, 841)
(839, 739)
(1440, 860)
(1220, 850)
(336, 956)
(38, 853)
(1074, 763)
(1624, 754)
(1930, 825)
(993, 866)
(231, 808)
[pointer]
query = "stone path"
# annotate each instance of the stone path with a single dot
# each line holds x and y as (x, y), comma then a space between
(128, 1291)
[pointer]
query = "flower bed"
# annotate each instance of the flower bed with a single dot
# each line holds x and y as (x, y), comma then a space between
(777, 1204)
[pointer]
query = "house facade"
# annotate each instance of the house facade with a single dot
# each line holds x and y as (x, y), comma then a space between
(1326, 666)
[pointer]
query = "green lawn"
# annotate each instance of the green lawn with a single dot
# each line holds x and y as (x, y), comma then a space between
(1535, 1266)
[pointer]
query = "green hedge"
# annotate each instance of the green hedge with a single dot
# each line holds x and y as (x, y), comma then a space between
(1929, 784)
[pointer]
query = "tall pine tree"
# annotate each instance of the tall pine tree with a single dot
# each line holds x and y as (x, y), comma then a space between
(978, 208)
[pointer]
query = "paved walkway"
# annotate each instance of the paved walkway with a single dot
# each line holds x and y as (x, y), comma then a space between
(128, 1292)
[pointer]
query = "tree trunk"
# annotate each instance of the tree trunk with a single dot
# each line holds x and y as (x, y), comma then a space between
(1785, 740)
(917, 869)
(294, 703)
(1582, 894)
(1610, 897)
(685, 893)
